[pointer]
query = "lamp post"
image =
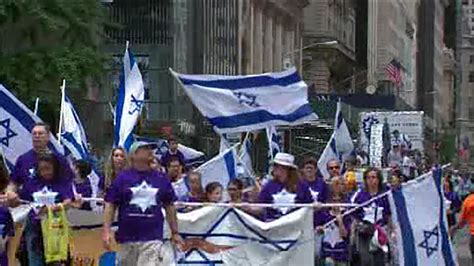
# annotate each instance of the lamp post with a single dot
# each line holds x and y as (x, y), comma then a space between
(287, 62)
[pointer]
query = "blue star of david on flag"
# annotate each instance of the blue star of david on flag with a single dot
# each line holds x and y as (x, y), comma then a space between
(135, 106)
(283, 245)
(430, 241)
(247, 99)
(9, 133)
(367, 124)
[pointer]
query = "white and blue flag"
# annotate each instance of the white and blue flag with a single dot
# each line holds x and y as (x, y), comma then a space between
(73, 137)
(16, 123)
(245, 166)
(192, 157)
(274, 142)
(131, 98)
(248, 103)
(420, 223)
(221, 168)
(340, 144)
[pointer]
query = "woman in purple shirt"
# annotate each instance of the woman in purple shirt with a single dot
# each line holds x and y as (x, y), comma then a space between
(370, 217)
(285, 187)
(335, 242)
(6, 220)
(48, 181)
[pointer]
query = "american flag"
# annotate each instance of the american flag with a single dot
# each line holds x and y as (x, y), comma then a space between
(393, 70)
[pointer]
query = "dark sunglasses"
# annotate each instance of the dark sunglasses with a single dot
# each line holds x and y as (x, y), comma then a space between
(334, 167)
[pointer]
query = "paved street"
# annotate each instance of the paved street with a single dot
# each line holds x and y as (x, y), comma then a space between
(461, 241)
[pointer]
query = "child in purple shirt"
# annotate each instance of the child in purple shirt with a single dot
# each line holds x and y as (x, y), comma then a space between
(284, 188)
(139, 194)
(48, 181)
(82, 184)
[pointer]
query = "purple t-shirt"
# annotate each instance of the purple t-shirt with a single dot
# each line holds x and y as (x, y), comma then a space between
(378, 210)
(165, 159)
(7, 229)
(26, 164)
(139, 197)
(85, 189)
(63, 188)
(275, 192)
(333, 245)
(319, 192)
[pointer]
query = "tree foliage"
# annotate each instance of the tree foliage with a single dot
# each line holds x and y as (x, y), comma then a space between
(44, 41)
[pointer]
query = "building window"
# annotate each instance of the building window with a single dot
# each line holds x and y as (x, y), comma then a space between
(471, 76)
(465, 2)
(471, 113)
(471, 59)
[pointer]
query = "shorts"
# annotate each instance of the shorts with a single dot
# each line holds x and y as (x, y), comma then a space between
(147, 253)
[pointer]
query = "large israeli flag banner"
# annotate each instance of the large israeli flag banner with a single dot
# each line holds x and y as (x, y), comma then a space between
(339, 146)
(419, 219)
(229, 236)
(248, 103)
(73, 137)
(221, 168)
(16, 123)
(130, 101)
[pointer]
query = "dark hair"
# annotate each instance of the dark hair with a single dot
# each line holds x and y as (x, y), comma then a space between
(3, 176)
(172, 138)
(174, 158)
(211, 187)
(42, 124)
(236, 182)
(50, 158)
(84, 168)
(310, 160)
(379, 177)
(450, 184)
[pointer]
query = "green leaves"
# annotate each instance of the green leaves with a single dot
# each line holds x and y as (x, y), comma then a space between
(44, 41)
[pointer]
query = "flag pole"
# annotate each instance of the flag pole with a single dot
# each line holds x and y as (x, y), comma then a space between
(63, 92)
(4, 158)
(36, 106)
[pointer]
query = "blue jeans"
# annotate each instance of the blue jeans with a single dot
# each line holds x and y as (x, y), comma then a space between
(34, 242)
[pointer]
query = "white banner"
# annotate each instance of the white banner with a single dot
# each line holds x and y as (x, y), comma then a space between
(408, 123)
(228, 236)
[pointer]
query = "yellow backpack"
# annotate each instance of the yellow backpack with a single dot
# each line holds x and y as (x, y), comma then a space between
(55, 228)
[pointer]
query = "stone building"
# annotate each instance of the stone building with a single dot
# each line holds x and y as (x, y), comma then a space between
(325, 66)
(392, 35)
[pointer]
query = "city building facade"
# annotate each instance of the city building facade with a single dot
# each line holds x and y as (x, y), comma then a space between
(392, 36)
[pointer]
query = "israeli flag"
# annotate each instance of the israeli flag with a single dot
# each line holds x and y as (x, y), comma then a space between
(419, 219)
(73, 137)
(221, 168)
(245, 167)
(224, 144)
(248, 103)
(16, 123)
(274, 142)
(191, 156)
(130, 101)
(340, 144)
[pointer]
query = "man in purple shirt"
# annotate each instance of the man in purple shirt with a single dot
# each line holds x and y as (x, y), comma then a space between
(26, 164)
(172, 152)
(139, 193)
